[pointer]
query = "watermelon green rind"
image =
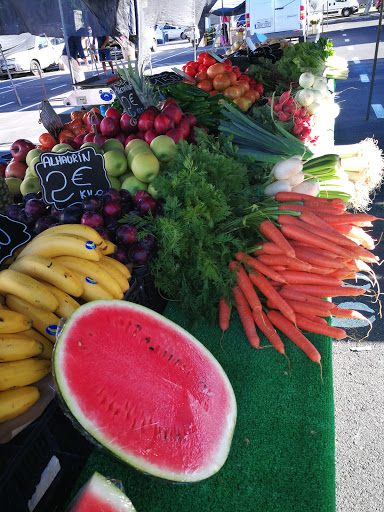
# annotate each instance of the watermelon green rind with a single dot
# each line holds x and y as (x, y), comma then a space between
(101, 493)
(217, 454)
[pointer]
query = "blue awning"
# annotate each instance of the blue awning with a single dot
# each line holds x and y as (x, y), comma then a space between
(228, 8)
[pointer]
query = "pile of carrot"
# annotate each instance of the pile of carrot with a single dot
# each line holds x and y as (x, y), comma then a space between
(303, 259)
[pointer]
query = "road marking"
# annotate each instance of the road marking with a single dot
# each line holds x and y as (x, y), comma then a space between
(346, 40)
(29, 106)
(356, 60)
(58, 87)
(378, 110)
(54, 78)
(364, 78)
(5, 104)
(343, 35)
(351, 48)
(170, 57)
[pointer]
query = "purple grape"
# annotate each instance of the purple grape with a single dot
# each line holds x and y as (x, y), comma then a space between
(30, 195)
(148, 242)
(139, 195)
(44, 223)
(137, 254)
(112, 209)
(125, 196)
(120, 255)
(35, 208)
(13, 211)
(71, 214)
(126, 235)
(112, 194)
(146, 205)
(23, 217)
(55, 212)
(94, 220)
(103, 233)
(93, 204)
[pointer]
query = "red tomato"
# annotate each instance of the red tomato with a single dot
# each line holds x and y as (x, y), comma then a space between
(221, 82)
(213, 93)
(201, 57)
(206, 85)
(243, 103)
(237, 71)
(232, 77)
(190, 71)
(216, 69)
(200, 76)
(252, 83)
(232, 92)
(183, 68)
(228, 64)
(202, 68)
(259, 88)
(209, 61)
(76, 114)
(245, 77)
(244, 83)
(193, 64)
(47, 140)
(66, 134)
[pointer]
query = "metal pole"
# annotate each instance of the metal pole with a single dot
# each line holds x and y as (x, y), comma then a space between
(375, 60)
(194, 32)
(10, 76)
(66, 39)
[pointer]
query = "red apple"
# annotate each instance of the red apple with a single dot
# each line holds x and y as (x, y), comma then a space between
(146, 120)
(128, 125)
(15, 169)
(163, 124)
(122, 137)
(140, 135)
(168, 101)
(184, 126)
(110, 126)
(102, 138)
(203, 128)
(153, 109)
(113, 112)
(129, 138)
(191, 119)
(173, 111)
(94, 119)
(150, 135)
(175, 134)
(88, 137)
(79, 139)
(71, 142)
(2, 169)
(20, 149)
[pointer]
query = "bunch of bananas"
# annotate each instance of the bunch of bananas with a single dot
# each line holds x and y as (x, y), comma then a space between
(48, 279)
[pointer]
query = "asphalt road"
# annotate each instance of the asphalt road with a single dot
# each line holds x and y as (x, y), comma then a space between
(358, 374)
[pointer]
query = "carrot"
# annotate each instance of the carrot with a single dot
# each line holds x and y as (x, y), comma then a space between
(301, 235)
(268, 290)
(246, 318)
(349, 218)
(360, 236)
(303, 308)
(295, 335)
(271, 248)
(296, 277)
(265, 326)
(278, 268)
(364, 254)
(317, 319)
(282, 197)
(327, 291)
(325, 329)
(294, 208)
(273, 234)
(342, 273)
(224, 314)
(257, 265)
(338, 206)
(316, 259)
(276, 259)
(314, 206)
(245, 285)
(289, 294)
(315, 221)
(347, 313)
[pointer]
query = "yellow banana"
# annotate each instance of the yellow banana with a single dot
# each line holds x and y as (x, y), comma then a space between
(40, 267)
(16, 401)
(12, 322)
(94, 271)
(14, 347)
(120, 266)
(16, 374)
(67, 304)
(114, 272)
(43, 321)
(92, 290)
(48, 346)
(60, 245)
(74, 229)
(109, 248)
(27, 288)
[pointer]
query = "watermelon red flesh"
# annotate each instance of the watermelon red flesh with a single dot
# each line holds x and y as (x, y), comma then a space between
(146, 389)
(100, 495)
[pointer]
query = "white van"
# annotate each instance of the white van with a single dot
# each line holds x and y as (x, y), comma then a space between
(41, 54)
(277, 18)
(339, 7)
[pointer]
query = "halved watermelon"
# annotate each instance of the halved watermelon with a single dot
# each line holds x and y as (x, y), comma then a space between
(146, 389)
(100, 495)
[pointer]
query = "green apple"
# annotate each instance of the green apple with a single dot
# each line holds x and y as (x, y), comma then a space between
(125, 176)
(163, 148)
(136, 151)
(30, 172)
(115, 182)
(33, 154)
(62, 148)
(151, 190)
(31, 184)
(92, 145)
(133, 144)
(13, 185)
(112, 144)
(145, 166)
(132, 184)
(115, 162)
(34, 161)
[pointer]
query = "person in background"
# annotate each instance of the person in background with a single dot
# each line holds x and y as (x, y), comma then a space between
(76, 52)
(104, 51)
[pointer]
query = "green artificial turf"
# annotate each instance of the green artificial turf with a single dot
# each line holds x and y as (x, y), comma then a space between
(282, 457)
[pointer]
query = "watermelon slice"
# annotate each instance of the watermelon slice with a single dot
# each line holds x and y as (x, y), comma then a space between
(100, 495)
(145, 389)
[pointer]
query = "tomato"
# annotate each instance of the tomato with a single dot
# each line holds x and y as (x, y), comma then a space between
(202, 68)
(201, 57)
(200, 76)
(232, 92)
(206, 85)
(47, 140)
(241, 87)
(213, 93)
(66, 134)
(76, 114)
(237, 71)
(221, 82)
(232, 77)
(243, 103)
(183, 68)
(245, 77)
(44, 148)
(252, 83)
(259, 88)
(193, 64)
(209, 61)
(190, 71)
(228, 64)
(216, 69)
(253, 95)
(245, 84)
(80, 130)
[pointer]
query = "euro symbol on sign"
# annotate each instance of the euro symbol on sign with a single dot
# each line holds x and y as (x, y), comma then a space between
(132, 99)
(78, 177)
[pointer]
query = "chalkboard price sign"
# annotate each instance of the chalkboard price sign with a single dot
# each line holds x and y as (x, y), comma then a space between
(165, 78)
(67, 178)
(128, 98)
(51, 121)
(13, 234)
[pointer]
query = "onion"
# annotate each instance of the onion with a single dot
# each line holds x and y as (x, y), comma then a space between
(313, 108)
(323, 88)
(306, 80)
(306, 97)
(320, 80)
(318, 96)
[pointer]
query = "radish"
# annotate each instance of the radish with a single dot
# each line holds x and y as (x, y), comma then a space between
(277, 186)
(312, 188)
(283, 116)
(295, 180)
(284, 97)
(287, 168)
(297, 129)
(277, 108)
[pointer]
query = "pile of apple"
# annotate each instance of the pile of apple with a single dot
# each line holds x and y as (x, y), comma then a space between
(221, 77)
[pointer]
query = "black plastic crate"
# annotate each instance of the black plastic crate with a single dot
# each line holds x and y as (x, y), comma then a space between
(143, 290)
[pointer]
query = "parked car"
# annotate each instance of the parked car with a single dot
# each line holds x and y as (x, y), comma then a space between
(40, 56)
(193, 34)
(240, 22)
(172, 32)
